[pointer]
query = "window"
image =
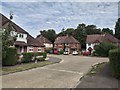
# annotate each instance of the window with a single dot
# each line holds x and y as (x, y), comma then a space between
(89, 44)
(66, 44)
(39, 49)
(30, 50)
(21, 35)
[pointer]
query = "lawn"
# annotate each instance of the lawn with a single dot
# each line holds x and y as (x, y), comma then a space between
(96, 68)
(23, 67)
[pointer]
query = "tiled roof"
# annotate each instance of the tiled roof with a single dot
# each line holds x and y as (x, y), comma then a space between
(42, 39)
(66, 39)
(101, 38)
(20, 43)
(30, 40)
(4, 24)
(33, 42)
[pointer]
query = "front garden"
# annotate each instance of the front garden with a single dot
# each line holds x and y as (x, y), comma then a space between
(113, 53)
(24, 66)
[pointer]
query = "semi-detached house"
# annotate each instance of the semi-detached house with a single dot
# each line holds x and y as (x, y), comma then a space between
(96, 39)
(24, 41)
(67, 43)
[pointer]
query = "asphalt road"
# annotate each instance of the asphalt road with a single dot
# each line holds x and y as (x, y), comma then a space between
(65, 74)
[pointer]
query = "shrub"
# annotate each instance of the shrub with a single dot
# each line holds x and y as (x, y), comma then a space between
(114, 57)
(61, 52)
(44, 55)
(10, 59)
(103, 49)
(27, 57)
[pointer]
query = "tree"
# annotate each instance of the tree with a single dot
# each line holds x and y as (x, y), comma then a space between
(107, 30)
(50, 34)
(80, 34)
(7, 39)
(92, 29)
(117, 29)
(69, 31)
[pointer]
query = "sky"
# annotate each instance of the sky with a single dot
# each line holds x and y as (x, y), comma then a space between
(36, 16)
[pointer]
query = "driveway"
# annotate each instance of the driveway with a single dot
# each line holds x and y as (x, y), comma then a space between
(65, 74)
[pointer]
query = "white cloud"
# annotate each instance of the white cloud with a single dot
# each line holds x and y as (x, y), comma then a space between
(39, 15)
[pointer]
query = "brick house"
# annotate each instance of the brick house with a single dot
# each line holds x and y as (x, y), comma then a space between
(96, 39)
(67, 43)
(24, 41)
(48, 44)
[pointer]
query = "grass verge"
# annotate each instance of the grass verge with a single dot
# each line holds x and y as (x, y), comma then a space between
(96, 68)
(23, 67)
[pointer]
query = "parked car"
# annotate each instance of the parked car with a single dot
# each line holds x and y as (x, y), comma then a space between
(86, 53)
(75, 53)
(66, 52)
(56, 51)
(51, 52)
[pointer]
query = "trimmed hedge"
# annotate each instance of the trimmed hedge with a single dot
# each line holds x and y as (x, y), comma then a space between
(10, 59)
(103, 49)
(27, 57)
(114, 57)
(61, 52)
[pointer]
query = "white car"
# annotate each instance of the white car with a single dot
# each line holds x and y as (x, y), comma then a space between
(66, 52)
(75, 53)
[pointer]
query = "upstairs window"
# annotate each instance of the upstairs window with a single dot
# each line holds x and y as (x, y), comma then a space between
(39, 50)
(89, 44)
(21, 35)
(66, 44)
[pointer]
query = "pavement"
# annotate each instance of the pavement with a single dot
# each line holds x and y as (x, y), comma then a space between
(65, 74)
(102, 79)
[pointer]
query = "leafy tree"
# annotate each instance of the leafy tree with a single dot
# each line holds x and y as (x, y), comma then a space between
(49, 34)
(117, 29)
(68, 31)
(62, 33)
(92, 29)
(80, 34)
(7, 39)
(107, 30)
(103, 49)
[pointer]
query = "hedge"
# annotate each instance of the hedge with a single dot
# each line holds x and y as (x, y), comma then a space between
(61, 52)
(103, 49)
(10, 59)
(27, 57)
(44, 55)
(114, 57)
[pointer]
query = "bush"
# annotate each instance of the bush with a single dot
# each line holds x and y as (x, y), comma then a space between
(114, 57)
(61, 52)
(103, 49)
(10, 59)
(44, 55)
(27, 57)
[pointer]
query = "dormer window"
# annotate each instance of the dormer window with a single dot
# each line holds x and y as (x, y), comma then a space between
(21, 35)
